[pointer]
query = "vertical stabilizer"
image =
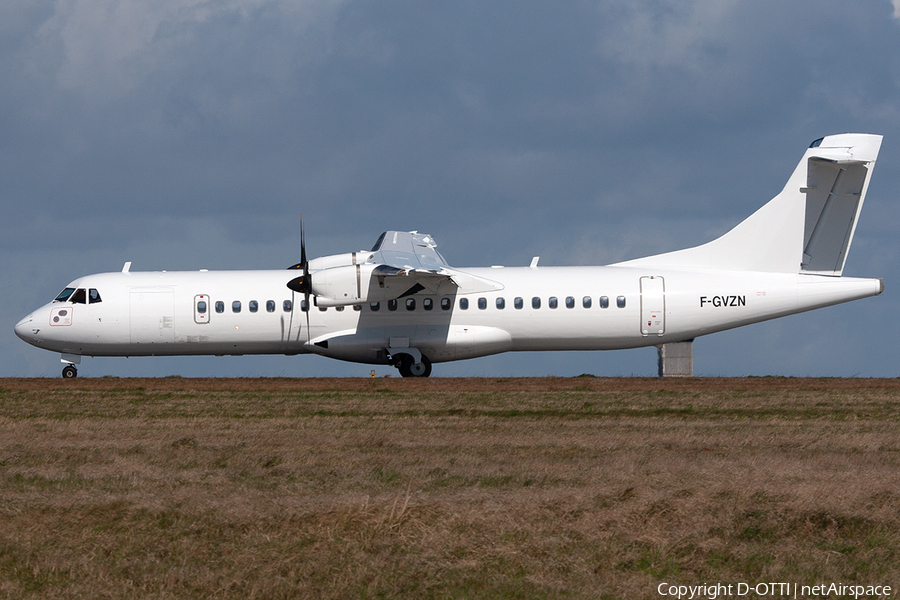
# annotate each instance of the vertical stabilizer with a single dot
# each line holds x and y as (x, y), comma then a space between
(808, 227)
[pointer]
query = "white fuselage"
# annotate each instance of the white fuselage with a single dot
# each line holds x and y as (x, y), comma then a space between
(596, 308)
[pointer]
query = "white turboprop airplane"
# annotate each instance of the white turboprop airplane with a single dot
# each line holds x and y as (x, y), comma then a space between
(402, 304)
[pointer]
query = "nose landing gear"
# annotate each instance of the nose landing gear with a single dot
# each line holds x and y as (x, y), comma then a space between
(70, 360)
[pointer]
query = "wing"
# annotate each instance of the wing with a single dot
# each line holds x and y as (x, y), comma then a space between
(400, 264)
(407, 250)
(410, 260)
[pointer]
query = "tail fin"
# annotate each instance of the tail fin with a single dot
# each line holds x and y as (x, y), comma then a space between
(807, 228)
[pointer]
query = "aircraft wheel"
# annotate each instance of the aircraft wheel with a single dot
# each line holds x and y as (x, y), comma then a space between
(410, 369)
(69, 372)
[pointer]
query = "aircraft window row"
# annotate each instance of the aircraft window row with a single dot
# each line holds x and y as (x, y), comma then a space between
(482, 303)
(552, 302)
(79, 296)
(253, 306)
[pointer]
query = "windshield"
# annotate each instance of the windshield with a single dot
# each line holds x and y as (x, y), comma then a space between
(64, 295)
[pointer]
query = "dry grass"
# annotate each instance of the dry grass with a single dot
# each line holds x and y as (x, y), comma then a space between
(476, 488)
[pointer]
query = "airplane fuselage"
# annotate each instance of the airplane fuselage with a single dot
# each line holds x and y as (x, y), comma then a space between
(536, 308)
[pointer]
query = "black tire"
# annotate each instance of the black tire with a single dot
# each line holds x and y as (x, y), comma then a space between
(410, 369)
(69, 372)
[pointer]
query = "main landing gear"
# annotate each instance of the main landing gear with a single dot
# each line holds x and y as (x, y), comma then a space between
(69, 372)
(409, 368)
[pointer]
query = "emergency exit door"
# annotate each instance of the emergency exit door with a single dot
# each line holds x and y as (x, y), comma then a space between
(653, 306)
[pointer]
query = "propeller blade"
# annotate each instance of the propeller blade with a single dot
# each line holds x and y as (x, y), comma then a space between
(305, 283)
(304, 264)
(306, 302)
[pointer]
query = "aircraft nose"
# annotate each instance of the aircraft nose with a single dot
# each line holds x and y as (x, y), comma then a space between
(25, 329)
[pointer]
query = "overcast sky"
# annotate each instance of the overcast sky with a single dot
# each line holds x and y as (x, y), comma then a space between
(187, 134)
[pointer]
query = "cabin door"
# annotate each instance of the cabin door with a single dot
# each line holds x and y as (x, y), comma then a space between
(653, 306)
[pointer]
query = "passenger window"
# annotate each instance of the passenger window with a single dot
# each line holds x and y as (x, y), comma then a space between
(518, 303)
(570, 302)
(604, 302)
(220, 306)
(357, 307)
(463, 304)
(482, 303)
(253, 306)
(446, 303)
(323, 308)
(392, 305)
(586, 302)
(339, 308)
(427, 303)
(270, 306)
(410, 304)
(304, 306)
(375, 306)
(64, 295)
(201, 307)
(552, 302)
(94, 296)
(501, 303)
(79, 297)
(287, 305)
(620, 301)
(236, 306)
(535, 302)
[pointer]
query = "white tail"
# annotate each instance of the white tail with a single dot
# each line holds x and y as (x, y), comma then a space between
(807, 228)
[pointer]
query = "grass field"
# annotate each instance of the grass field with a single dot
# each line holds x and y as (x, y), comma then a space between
(444, 488)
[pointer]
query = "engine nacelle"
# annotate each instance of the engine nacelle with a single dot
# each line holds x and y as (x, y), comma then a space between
(352, 284)
(339, 260)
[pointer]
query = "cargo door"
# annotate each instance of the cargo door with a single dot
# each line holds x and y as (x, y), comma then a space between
(152, 315)
(653, 306)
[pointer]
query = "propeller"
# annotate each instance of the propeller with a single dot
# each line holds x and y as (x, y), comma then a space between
(302, 284)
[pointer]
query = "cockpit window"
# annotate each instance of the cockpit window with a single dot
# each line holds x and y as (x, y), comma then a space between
(64, 295)
(79, 297)
(94, 296)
